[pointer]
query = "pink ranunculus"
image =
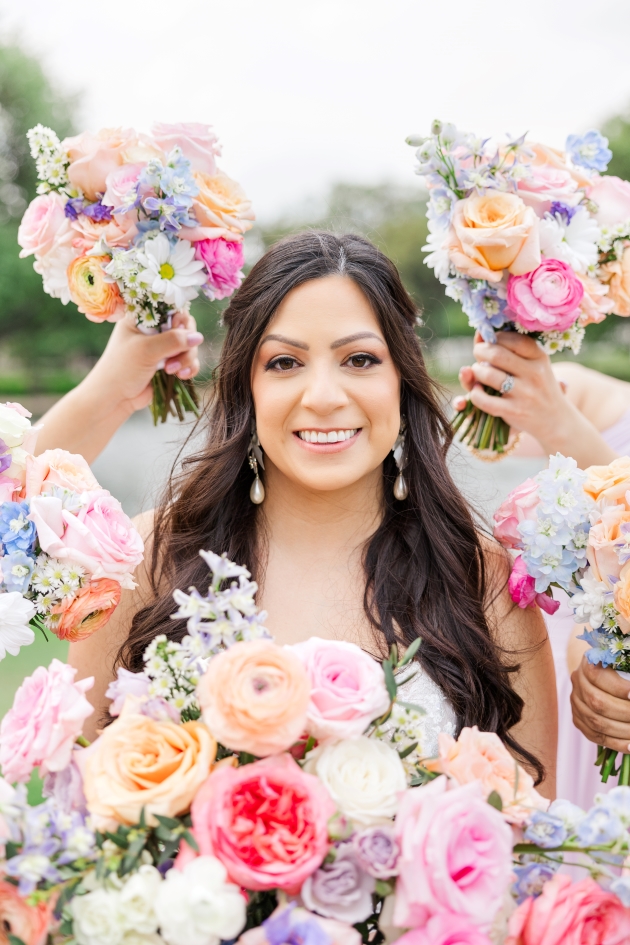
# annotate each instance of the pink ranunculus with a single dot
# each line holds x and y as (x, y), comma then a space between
(44, 225)
(267, 822)
(522, 588)
(569, 913)
(612, 196)
(58, 468)
(546, 184)
(100, 537)
(547, 299)
(93, 157)
(119, 182)
(520, 506)
(445, 929)
(198, 143)
(224, 261)
(47, 715)
(348, 688)
(456, 855)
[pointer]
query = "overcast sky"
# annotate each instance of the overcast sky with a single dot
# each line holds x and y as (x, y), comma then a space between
(306, 92)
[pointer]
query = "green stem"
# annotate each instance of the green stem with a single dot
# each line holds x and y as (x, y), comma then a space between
(609, 764)
(624, 773)
(82, 741)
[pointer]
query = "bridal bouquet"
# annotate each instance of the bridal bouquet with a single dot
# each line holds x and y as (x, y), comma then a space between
(247, 792)
(570, 529)
(66, 546)
(137, 223)
(527, 239)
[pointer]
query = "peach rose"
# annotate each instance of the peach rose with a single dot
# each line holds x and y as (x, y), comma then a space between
(119, 231)
(622, 593)
(138, 762)
(491, 233)
(58, 468)
(596, 301)
(92, 157)
(550, 157)
(263, 710)
(616, 275)
(43, 225)
(609, 483)
(221, 208)
(482, 756)
(197, 142)
(30, 924)
(85, 613)
(95, 298)
(612, 196)
(601, 543)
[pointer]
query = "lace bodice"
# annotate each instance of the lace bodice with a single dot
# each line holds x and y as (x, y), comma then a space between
(440, 716)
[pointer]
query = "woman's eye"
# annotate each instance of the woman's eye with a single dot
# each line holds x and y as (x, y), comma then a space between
(283, 363)
(361, 360)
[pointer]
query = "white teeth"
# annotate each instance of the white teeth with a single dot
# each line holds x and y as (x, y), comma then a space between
(322, 438)
(335, 436)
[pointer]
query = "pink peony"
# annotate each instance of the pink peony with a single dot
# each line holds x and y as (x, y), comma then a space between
(546, 184)
(612, 196)
(224, 261)
(119, 182)
(267, 822)
(58, 468)
(47, 715)
(547, 299)
(569, 913)
(456, 855)
(520, 506)
(198, 143)
(100, 537)
(291, 924)
(522, 588)
(445, 929)
(93, 157)
(44, 225)
(347, 688)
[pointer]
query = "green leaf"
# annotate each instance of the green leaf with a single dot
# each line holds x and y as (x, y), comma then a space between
(310, 744)
(411, 706)
(407, 750)
(117, 838)
(393, 654)
(383, 888)
(190, 840)
(390, 682)
(14, 940)
(402, 682)
(143, 821)
(411, 652)
(495, 800)
(170, 822)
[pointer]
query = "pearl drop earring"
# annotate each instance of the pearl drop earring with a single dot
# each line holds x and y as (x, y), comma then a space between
(401, 489)
(255, 455)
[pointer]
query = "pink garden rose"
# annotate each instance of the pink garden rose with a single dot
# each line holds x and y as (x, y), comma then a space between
(224, 261)
(547, 299)
(520, 506)
(198, 143)
(456, 855)
(119, 182)
(291, 924)
(92, 157)
(43, 226)
(546, 184)
(58, 468)
(347, 688)
(267, 822)
(612, 196)
(522, 588)
(569, 913)
(47, 715)
(100, 537)
(445, 929)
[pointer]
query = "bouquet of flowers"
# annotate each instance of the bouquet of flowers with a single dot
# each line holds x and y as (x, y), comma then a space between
(570, 529)
(136, 223)
(527, 239)
(247, 792)
(66, 546)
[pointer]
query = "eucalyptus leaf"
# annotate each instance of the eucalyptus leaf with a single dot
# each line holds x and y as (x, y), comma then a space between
(411, 706)
(407, 750)
(411, 652)
(390, 682)
(495, 800)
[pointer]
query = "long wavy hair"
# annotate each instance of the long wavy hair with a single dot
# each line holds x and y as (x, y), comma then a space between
(425, 574)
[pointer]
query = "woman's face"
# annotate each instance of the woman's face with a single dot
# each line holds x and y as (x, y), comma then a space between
(326, 391)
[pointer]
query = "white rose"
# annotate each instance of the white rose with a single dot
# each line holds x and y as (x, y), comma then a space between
(137, 900)
(98, 918)
(15, 613)
(197, 906)
(363, 776)
(13, 426)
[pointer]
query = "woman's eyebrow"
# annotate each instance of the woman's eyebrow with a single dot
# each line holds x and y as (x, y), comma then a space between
(287, 341)
(357, 335)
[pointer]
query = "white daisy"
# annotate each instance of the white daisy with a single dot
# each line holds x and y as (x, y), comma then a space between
(574, 242)
(172, 272)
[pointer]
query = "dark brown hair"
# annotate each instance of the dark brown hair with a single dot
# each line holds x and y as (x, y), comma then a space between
(424, 566)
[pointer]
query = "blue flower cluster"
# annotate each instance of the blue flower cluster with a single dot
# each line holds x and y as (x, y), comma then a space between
(17, 532)
(165, 192)
(589, 150)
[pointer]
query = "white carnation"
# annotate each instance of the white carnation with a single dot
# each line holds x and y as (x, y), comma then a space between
(198, 906)
(98, 918)
(137, 900)
(15, 614)
(363, 776)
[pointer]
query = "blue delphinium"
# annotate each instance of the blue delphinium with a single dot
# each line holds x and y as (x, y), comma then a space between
(17, 533)
(531, 878)
(601, 825)
(599, 651)
(545, 830)
(17, 568)
(485, 310)
(172, 187)
(589, 150)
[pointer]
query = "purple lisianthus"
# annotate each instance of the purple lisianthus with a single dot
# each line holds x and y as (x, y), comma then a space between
(97, 211)
(127, 684)
(377, 851)
(74, 207)
(563, 211)
(340, 890)
(294, 926)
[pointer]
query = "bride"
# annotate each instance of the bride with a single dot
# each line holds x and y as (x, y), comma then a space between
(322, 368)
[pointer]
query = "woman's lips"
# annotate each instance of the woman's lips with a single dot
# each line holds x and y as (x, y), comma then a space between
(328, 447)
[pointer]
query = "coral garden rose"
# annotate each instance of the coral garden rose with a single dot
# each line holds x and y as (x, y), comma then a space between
(100, 537)
(58, 468)
(612, 196)
(596, 302)
(545, 185)
(77, 618)
(491, 233)
(520, 506)
(224, 260)
(28, 924)
(221, 208)
(609, 484)
(289, 925)
(263, 710)
(41, 727)
(348, 688)
(522, 588)
(547, 299)
(482, 756)
(94, 296)
(267, 822)
(197, 142)
(602, 539)
(456, 855)
(616, 275)
(138, 762)
(93, 157)
(569, 913)
(446, 929)
(43, 225)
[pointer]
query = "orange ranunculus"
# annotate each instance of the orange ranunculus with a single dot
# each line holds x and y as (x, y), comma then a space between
(58, 468)
(28, 923)
(89, 290)
(609, 483)
(86, 612)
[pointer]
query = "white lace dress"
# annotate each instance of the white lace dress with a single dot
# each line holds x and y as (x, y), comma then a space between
(439, 717)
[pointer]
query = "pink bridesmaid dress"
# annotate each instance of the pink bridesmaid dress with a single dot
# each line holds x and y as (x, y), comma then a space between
(578, 778)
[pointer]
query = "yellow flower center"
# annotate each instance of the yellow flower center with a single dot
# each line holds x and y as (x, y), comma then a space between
(167, 271)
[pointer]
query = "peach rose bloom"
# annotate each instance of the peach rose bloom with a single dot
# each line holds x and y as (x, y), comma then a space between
(138, 762)
(95, 298)
(58, 468)
(263, 710)
(491, 233)
(92, 157)
(482, 756)
(596, 301)
(616, 275)
(601, 553)
(622, 596)
(221, 208)
(609, 484)
(544, 155)
(17, 918)
(86, 612)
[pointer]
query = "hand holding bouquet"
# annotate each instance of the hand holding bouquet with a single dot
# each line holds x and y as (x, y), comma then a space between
(126, 222)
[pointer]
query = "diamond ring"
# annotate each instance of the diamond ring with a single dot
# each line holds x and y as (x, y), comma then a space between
(507, 385)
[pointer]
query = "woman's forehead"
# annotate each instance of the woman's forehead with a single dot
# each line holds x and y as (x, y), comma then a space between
(334, 305)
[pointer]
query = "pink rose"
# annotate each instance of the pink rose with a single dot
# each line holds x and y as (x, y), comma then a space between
(44, 225)
(291, 924)
(224, 261)
(445, 929)
(547, 184)
(93, 157)
(47, 715)
(612, 196)
(520, 506)
(267, 822)
(456, 855)
(198, 143)
(8, 489)
(119, 182)
(547, 299)
(347, 688)
(100, 537)
(522, 588)
(58, 468)
(569, 913)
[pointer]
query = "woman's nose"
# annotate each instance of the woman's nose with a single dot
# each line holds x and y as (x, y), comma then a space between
(323, 393)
